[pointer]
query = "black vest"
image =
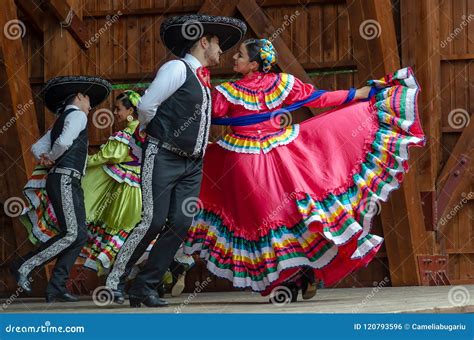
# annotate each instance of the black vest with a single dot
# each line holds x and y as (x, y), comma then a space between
(183, 120)
(76, 156)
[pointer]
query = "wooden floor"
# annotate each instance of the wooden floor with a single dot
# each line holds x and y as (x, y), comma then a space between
(446, 299)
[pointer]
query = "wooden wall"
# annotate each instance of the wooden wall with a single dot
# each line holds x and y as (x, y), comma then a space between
(129, 51)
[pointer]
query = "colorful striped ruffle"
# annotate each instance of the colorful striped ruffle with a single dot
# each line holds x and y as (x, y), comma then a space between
(256, 145)
(273, 96)
(102, 247)
(128, 174)
(333, 233)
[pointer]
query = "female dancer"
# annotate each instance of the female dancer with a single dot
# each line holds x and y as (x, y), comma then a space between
(283, 206)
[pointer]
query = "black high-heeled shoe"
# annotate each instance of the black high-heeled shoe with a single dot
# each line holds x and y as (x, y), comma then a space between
(308, 285)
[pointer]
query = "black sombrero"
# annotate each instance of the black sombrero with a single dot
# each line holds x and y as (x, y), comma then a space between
(60, 88)
(178, 33)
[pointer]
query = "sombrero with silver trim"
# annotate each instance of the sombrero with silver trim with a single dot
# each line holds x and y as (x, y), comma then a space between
(179, 33)
(60, 88)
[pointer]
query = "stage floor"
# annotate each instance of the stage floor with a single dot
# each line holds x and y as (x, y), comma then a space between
(445, 299)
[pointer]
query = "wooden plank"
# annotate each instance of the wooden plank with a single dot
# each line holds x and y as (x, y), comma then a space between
(459, 56)
(222, 7)
(70, 21)
(376, 53)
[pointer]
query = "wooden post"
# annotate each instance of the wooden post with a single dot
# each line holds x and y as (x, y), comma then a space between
(376, 54)
(421, 51)
(19, 127)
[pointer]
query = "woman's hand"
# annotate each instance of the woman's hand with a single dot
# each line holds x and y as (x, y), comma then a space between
(363, 92)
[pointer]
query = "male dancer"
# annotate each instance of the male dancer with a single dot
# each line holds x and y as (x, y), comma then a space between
(176, 112)
(65, 147)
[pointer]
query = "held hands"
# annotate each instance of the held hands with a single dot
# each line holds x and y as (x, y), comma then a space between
(45, 160)
(363, 92)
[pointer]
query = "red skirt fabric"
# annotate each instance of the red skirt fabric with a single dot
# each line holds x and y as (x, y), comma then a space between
(308, 197)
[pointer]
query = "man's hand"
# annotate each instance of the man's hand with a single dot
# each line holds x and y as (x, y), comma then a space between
(363, 92)
(45, 160)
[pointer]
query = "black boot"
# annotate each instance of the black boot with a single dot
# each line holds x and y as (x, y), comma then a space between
(149, 301)
(22, 281)
(61, 297)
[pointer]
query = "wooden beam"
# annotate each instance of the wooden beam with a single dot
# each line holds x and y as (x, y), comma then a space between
(70, 20)
(17, 83)
(33, 13)
(263, 28)
(453, 57)
(455, 178)
(19, 129)
(174, 8)
(421, 51)
(376, 54)
(464, 146)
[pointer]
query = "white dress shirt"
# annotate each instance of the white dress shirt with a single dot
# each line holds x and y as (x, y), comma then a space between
(74, 123)
(170, 77)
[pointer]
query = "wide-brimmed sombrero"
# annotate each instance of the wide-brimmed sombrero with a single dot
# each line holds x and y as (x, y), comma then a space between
(178, 33)
(60, 88)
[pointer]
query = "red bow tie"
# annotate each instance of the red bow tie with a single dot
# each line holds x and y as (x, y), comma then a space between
(204, 76)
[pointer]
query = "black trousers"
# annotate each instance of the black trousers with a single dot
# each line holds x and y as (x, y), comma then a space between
(170, 190)
(67, 198)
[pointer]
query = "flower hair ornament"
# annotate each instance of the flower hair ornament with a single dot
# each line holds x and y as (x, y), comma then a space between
(268, 55)
(133, 97)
